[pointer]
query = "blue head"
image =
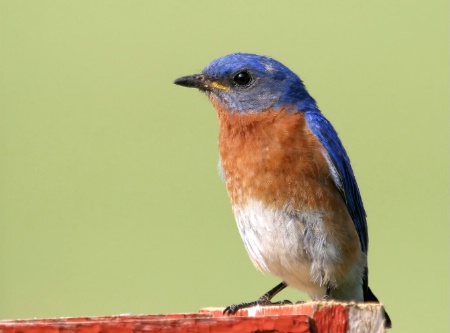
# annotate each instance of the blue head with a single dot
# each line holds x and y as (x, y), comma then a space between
(251, 83)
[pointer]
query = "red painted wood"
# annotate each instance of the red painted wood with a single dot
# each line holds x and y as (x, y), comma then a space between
(170, 323)
(334, 317)
(305, 318)
(326, 316)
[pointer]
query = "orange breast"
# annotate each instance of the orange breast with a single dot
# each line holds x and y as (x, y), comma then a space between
(272, 156)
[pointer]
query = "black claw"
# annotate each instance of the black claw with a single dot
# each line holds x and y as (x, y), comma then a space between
(286, 301)
(264, 300)
(233, 308)
(228, 310)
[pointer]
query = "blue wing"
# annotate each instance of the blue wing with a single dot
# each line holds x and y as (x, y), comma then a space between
(342, 174)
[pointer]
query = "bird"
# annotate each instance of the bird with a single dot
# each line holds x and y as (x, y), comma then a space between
(292, 189)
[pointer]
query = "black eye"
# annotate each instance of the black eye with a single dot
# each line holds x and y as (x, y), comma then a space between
(242, 78)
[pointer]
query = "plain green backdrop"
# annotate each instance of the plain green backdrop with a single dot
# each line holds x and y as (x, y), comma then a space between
(109, 196)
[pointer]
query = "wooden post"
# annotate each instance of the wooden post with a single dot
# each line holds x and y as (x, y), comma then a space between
(312, 317)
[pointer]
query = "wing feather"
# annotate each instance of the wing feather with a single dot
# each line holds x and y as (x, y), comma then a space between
(341, 172)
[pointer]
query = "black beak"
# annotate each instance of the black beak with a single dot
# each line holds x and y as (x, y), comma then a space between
(199, 81)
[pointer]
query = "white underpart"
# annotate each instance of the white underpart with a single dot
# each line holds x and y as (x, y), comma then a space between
(296, 247)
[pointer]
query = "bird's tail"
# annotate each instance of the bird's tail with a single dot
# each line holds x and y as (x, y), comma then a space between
(370, 297)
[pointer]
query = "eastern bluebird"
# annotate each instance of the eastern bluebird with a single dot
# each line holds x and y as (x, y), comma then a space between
(292, 188)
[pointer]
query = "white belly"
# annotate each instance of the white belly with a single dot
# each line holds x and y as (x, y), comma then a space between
(293, 245)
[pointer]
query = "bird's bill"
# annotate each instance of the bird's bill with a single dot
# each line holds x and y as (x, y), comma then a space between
(199, 81)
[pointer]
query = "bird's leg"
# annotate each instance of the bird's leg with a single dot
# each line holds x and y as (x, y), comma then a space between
(327, 293)
(263, 300)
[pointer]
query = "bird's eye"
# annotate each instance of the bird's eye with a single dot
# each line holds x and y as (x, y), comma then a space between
(242, 78)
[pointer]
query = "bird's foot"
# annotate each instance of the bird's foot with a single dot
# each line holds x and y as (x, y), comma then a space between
(262, 301)
(327, 295)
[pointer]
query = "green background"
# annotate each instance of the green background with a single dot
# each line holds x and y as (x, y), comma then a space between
(109, 196)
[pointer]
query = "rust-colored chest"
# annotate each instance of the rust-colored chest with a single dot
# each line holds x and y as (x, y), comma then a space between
(273, 157)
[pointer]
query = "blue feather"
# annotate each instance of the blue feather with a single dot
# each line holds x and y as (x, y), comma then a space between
(346, 181)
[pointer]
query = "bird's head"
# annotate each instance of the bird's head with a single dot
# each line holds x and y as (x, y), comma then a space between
(247, 83)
